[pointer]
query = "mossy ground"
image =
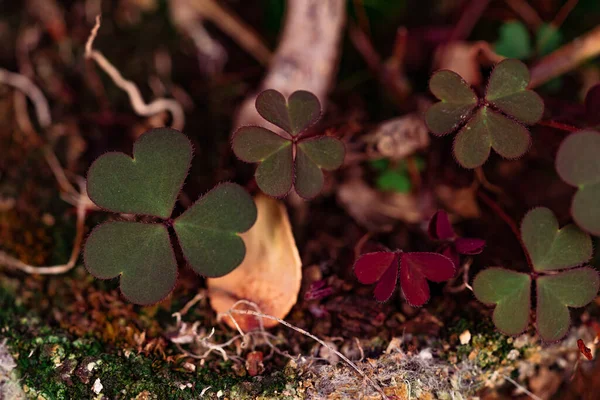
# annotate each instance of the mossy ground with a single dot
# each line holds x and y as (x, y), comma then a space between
(54, 364)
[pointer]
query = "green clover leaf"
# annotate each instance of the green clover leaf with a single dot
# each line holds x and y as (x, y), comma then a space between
(140, 253)
(514, 40)
(149, 184)
(290, 159)
(553, 252)
(555, 293)
(492, 122)
(217, 218)
(578, 164)
(510, 292)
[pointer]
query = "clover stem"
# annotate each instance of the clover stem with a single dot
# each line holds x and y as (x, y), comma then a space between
(559, 125)
(508, 220)
(169, 222)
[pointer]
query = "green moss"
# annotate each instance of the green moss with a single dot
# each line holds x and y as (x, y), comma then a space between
(53, 364)
(488, 348)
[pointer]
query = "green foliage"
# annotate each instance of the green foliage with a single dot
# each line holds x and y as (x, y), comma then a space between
(511, 293)
(578, 164)
(148, 183)
(547, 38)
(290, 159)
(514, 40)
(494, 121)
(141, 253)
(550, 249)
(394, 177)
(216, 218)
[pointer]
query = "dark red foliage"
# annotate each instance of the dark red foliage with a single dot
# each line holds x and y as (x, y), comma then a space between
(441, 229)
(415, 270)
(587, 353)
(381, 267)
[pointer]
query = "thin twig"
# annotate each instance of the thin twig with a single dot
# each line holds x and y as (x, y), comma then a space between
(566, 58)
(559, 125)
(508, 220)
(135, 97)
(469, 18)
(14, 263)
(465, 277)
(25, 85)
(526, 12)
(310, 335)
(481, 178)
(521, 387)
(79, 199)
(232, 25)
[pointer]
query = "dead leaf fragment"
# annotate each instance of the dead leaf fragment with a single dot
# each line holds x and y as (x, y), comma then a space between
(271, 273)
(379, 211)
(400, 137)
(466, 59)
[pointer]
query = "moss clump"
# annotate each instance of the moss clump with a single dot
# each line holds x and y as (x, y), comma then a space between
(487, 348)
(54, 364)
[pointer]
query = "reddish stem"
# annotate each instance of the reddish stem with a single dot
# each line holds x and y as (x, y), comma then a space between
(559, 125)
(508, 220)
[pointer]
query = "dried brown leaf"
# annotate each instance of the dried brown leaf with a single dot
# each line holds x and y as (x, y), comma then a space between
(271, 273)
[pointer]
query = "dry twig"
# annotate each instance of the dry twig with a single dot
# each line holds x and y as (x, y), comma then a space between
(566, 58)
(79, 199)
(135, 97)
(260, 315)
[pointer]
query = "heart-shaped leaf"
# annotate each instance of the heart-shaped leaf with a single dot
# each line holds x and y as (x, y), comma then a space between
(574, 288)
(381, 267)
(507, 90)
(440, 227)
(293, 160)
(255, 144)
(417, 268)
(551, 248)
(148, 183)
(578, 164)
(208, 230)
(489, 129)
(457, 100)
(301, 110)
(312, 155)
(510, 292)
(140, 253)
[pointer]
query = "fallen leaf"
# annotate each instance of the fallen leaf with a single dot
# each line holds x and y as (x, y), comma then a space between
(466, 59)
(379, 211)
(271, 273)
(400, 137)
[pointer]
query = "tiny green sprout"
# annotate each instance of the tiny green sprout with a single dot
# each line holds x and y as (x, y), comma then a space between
(292, 158)
(514, 40)
(553, 252)
(394, 177)
(492, 122)
(148, 184)
(578, 164)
